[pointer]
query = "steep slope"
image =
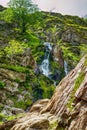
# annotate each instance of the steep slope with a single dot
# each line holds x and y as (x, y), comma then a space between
(67, 108)
(21, 81)
(20, 86)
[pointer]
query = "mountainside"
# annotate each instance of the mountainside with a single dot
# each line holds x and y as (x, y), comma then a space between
(32, 64)
(67, 109)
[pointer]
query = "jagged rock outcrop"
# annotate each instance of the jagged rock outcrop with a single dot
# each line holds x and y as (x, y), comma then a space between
(67, 108)
(25, 59)
(19, 84)
(12, 79)
(19, 89)
(58, 56)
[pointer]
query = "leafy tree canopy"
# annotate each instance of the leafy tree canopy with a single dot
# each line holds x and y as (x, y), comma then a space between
(21, 10)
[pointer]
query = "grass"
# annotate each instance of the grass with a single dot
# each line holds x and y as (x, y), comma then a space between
(85, 63)
(2, 84)
(78, 82)
(9, 118)
(23, 104)
(16, 68)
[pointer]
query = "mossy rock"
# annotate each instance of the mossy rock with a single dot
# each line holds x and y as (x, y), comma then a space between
(78, 82)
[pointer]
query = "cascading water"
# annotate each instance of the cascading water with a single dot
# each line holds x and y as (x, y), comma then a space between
(45, 66)
(65, 67)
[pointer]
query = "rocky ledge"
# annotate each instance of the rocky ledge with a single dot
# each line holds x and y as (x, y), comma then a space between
(66, 110)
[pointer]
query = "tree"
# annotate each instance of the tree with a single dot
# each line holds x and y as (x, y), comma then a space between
(21, 10)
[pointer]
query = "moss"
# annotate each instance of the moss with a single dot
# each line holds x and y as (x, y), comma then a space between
(38, 52)
(20, 104)
(2, 116)
(78, 82)
(23, 104)
(17, 80)
(39, 86)
(28, 102)
(47, 92)
(53, 125)
(2, 84)
(9, 118)
(16, 68)
(1, 107)
(85, 63)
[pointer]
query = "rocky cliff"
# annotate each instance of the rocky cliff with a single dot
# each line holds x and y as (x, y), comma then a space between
(21, 82)
(66, 110)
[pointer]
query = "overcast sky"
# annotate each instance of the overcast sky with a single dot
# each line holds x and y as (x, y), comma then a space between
(73, 7)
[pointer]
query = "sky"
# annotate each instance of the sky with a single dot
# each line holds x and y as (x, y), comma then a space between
(70, 7)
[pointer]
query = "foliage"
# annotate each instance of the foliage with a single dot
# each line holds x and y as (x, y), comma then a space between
(83, 49)
(16, 68)
(1, 107)
(2, 116)
(2, 84)
(36, 19)
(7, 15)
(21, 10)
(78, 82)
(23, 104)
(85, 63)
(9, 118)
(15, 47)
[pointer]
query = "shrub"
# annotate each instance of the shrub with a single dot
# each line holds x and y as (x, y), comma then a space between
(2, 84)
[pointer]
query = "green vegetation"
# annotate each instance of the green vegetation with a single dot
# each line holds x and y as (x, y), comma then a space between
(40, 86)
(1, 106)
(2, 84)
(15, 47)
(78, 82)
(85, 63)
(16, 68)
(21, 10)
(9, 118)
(23, 104)
(22, 26)
(53, 125)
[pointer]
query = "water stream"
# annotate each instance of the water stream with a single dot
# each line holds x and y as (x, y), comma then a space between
(65, 67)
(45, 65)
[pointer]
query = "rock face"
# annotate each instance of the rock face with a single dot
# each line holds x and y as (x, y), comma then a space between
(67, 108)
(8, 74)
(19, 84)
(58, 56)
(25, 59)
(12, 80)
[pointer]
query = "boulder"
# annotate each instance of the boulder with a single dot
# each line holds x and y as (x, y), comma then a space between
(33, 122)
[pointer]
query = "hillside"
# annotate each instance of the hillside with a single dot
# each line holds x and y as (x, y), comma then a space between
(33, 63)
(66, 110)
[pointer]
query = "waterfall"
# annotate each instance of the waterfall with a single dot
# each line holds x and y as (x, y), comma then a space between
(65, 67)
(45, 65)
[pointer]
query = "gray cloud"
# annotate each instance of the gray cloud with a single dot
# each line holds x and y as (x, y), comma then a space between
(73, 7)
